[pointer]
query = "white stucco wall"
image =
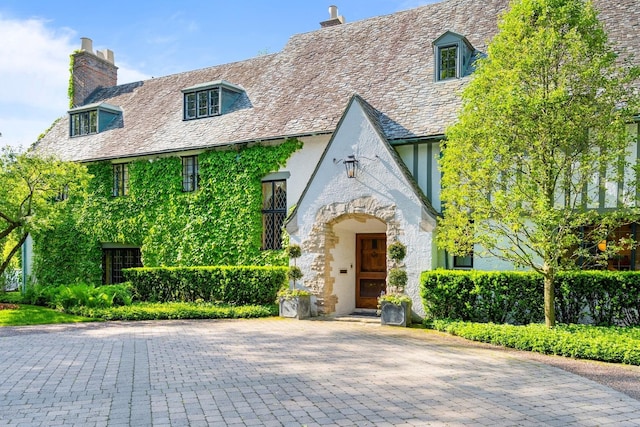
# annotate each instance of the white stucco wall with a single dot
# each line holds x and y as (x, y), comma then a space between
(301, 164)
(379, 186)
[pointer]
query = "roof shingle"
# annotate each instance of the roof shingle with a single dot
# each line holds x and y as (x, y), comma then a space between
(304, 89)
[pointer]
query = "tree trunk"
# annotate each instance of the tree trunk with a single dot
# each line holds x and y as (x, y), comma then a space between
(5, 263)
(549, 296)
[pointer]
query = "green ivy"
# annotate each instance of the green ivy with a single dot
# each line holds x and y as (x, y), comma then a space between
(71, 89)
(220, 224)
(67, 254)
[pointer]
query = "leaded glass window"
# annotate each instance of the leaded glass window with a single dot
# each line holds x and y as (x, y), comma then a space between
(84, 123)
(274, 212)
(115, 260)
(120, 179)
(190, 173)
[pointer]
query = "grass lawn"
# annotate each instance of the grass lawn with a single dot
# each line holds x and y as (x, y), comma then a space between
(34, 315)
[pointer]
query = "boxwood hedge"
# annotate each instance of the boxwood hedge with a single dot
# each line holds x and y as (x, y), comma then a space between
(243, 285)
(595, 297)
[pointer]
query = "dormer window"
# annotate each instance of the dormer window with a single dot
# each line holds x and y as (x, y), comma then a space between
(454, 56)
(92, 118)
(448, 62)
(209, 99)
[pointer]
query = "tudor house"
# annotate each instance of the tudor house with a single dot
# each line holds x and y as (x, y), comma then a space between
(368, 100)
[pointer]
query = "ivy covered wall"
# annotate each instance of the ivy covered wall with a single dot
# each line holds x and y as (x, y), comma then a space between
(219, 224)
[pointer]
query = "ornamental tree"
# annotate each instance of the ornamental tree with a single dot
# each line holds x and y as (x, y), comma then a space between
(542, 132)
(33, 189)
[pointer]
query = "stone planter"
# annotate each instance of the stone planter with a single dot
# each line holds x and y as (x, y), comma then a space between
(395, 315)
(296, 307)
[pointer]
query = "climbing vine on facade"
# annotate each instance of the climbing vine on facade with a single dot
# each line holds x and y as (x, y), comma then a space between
(219, 224)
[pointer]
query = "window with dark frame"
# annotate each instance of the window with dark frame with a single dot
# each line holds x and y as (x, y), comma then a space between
(190, 173)
(120, 180)
(203, 103)
(63, 194)
(447, 62)
(274, 212)
(115, 260)
(84, 123)
(463, 261)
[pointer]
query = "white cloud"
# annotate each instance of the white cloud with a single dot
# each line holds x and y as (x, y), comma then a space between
(129, 75)
(34, 76)
(34, 72)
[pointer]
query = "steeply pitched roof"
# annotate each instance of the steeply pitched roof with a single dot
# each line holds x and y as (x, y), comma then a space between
(304, 89)
(373, 117)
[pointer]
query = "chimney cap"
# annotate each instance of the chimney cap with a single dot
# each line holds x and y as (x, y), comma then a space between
(86, 44)
(334, 18)
(333, 12)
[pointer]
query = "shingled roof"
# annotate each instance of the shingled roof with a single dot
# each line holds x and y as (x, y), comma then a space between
(304, 89)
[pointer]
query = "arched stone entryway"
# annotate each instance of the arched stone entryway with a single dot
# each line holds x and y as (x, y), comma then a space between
(324, 242)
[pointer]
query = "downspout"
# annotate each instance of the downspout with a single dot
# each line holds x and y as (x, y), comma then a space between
(24, 267)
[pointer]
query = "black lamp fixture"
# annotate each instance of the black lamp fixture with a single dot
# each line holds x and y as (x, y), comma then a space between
(351, 165)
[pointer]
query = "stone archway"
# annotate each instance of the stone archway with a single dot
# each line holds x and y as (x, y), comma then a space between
(322, 240)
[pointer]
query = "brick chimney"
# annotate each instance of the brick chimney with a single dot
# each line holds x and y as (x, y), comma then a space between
(334, 19)
(91, 71)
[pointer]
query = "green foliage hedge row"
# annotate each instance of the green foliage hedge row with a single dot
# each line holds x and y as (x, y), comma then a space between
(608, 344)
(65, 298)
(154, 311)
(597, 297)
(231, 285)
(13, 297)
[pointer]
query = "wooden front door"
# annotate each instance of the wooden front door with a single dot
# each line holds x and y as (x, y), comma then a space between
(371, 269)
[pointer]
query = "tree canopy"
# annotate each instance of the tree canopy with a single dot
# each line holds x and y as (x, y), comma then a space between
(34, 188)
(543, 131)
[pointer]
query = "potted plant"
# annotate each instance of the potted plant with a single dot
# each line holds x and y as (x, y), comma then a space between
(294, 303)
(395, 305)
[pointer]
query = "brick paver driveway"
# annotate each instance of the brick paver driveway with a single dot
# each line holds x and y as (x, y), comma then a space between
(273, 372)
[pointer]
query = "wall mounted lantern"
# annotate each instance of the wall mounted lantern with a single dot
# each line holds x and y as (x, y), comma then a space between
(350, 165)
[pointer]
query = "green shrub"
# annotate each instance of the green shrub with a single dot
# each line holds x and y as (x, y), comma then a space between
(176, 310)
(397, 279)
(397, 251)
(67, 297)
(598, 297)
(294, 273)
(608, 344)
(294, 251)
(242, 285)
(13, 297)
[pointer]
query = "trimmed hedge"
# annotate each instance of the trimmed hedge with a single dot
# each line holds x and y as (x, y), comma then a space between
(597, 297)
(607, 344)
(244, 285)
(176, 310)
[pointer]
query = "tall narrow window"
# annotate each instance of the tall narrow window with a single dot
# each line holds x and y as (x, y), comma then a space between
(190, 174)
(120, 180)
(274, 212)
(447, 62)
(63, 194)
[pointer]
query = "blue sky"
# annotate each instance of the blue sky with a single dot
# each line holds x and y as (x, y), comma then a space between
(148, 38)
